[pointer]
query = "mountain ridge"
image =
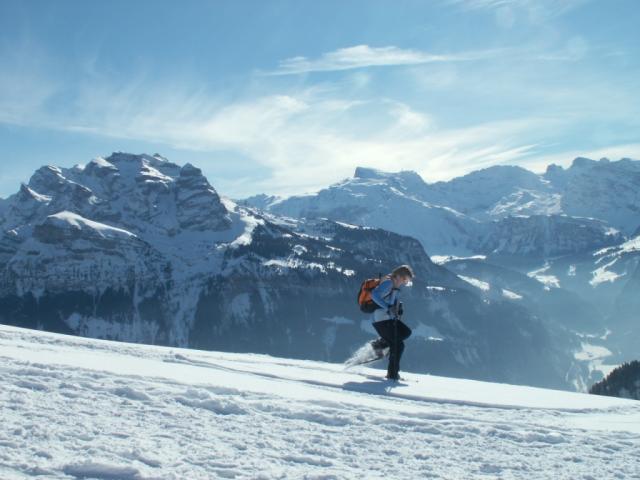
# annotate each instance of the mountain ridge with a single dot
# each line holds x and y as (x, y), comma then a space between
(459, 216)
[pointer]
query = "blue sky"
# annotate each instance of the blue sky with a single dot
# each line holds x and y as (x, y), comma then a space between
(285, 97)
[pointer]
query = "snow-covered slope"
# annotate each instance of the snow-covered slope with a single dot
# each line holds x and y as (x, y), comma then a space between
(77, 408)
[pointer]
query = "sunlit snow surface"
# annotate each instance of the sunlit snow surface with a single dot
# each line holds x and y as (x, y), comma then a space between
(484, 286)
(550, 281)
(80, 408)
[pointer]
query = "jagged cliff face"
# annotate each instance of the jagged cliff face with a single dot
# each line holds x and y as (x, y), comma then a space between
(136, 248)
(540, 236)
(606, 190)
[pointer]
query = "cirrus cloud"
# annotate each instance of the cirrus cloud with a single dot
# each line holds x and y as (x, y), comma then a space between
(362, 56)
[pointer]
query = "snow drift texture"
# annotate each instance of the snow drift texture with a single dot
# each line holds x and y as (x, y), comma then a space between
(83, 408)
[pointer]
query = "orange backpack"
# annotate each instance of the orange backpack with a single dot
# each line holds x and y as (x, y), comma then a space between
(367, 305)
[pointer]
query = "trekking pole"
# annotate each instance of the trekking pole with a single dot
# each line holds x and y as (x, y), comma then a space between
(398, 319)
(395, 341)
(395, 338)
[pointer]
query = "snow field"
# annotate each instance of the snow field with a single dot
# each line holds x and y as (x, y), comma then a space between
(78, 408)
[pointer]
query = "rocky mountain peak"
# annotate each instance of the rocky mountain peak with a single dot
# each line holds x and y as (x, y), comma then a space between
(125, 157)
(198, 205)
(46, 179)
(515, 175)
(144, 167)
(553, 169)
(188, 170)
(26, 194)
(364, 172)
(100, 167)
(374, 174)
(584, 162)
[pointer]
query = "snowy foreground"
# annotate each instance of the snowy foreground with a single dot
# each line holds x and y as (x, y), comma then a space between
(79, 408)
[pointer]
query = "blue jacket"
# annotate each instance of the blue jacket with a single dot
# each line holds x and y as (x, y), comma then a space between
(385, 295)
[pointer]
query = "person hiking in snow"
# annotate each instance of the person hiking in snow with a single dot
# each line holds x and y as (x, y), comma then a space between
(386, 318)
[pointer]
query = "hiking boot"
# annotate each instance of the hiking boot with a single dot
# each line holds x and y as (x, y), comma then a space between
(380, 347)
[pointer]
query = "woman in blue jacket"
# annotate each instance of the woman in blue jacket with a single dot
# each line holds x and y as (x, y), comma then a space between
(393, 332)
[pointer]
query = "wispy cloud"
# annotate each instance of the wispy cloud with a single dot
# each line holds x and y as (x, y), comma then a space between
(548, 8)
(24, 91)
(361, 56)
(509, 12)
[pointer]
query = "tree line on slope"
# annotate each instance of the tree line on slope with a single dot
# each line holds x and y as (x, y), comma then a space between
(623, 382)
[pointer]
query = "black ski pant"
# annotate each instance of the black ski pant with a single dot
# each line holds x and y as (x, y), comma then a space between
(393, 333)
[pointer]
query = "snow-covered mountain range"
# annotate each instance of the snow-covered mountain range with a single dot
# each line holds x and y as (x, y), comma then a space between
(463, 216)
(79, 408)
(137, 248)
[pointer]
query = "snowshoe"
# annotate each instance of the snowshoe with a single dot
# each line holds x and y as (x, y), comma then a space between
(366, 354)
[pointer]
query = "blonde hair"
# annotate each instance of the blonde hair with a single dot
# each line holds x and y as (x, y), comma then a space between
(402, 270)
